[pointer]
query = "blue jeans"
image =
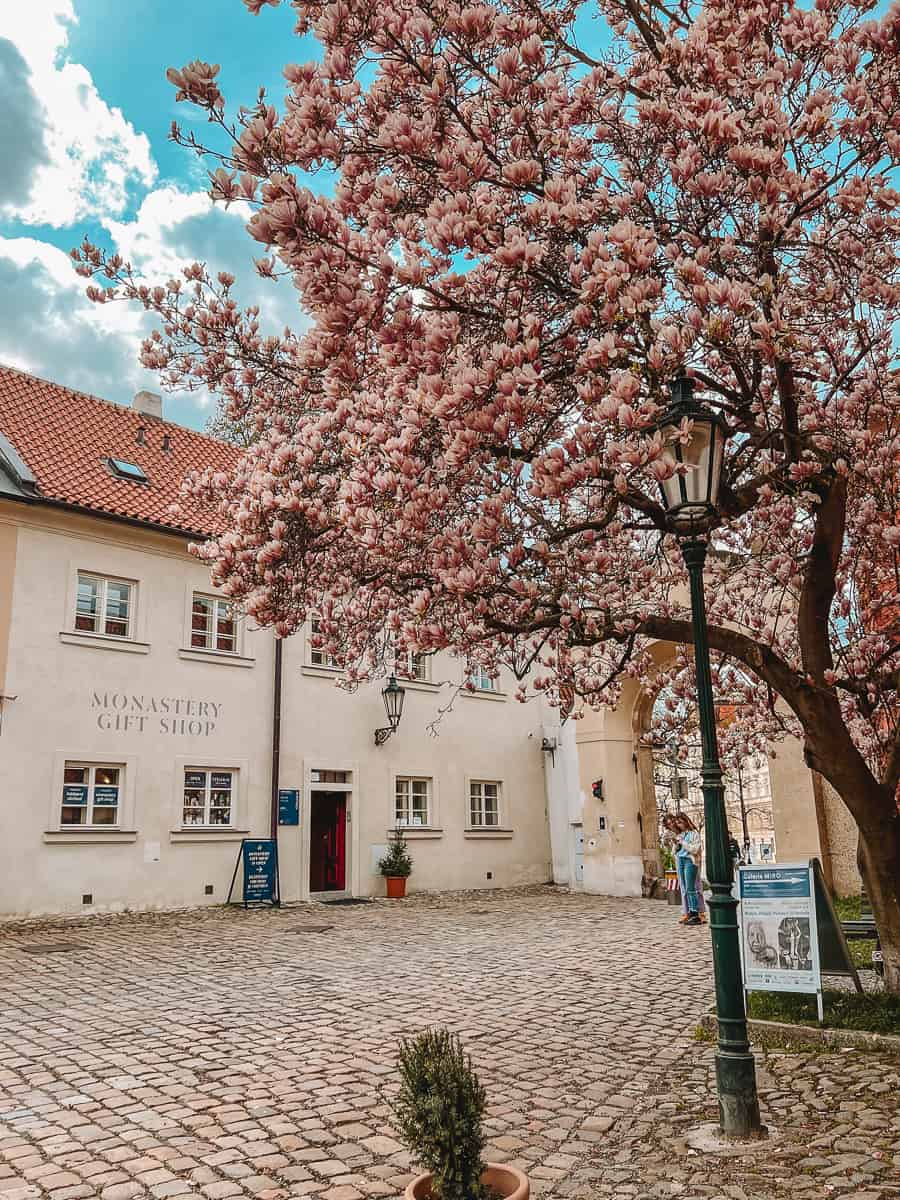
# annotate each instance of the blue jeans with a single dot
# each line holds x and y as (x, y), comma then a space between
(688, 877)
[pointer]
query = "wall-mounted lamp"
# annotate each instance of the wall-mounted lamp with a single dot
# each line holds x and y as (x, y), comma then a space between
(597, 789)
(393, 696)
(549, 745)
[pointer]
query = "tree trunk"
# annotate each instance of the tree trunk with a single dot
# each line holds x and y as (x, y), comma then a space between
(879, 854)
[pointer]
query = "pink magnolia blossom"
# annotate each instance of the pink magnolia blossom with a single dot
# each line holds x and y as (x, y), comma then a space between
(525, 242)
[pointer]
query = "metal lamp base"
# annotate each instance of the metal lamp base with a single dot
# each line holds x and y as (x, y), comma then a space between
(738, 1101)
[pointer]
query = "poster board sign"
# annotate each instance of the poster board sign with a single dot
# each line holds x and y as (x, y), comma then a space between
(779, 934)
(289, 806)
(259, 859)
(790, 933)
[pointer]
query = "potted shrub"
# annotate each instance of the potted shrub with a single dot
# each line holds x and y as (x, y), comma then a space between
(440, 1115)
(396, 866)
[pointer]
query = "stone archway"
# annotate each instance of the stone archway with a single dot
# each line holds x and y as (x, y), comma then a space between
(621, 836)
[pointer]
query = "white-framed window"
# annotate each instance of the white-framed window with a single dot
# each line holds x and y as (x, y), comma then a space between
(484, 803)
(209, 796)
(91, 794)
(412, 800)
(316, 655)
(413, 666)
(104, 605)
(481, 681)
(214, 624)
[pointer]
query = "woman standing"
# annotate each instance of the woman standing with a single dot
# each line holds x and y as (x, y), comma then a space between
(690, 854)
(684, 839)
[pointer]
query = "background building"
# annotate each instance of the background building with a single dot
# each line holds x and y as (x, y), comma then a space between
(136, 744)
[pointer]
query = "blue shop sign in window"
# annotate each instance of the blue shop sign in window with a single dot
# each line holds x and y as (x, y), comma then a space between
(195, 779)
(75, 794)
(220, 779)
(106, 795)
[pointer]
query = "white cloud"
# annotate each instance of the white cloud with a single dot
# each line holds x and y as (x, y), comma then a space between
(92, 153)
(50, 328)
(173, 228)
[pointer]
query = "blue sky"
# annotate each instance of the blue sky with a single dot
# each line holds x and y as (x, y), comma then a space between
(86, 151)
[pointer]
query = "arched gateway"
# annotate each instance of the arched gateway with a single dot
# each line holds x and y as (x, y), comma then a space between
(602, 802)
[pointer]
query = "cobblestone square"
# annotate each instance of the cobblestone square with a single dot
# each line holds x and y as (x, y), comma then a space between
(226, 1053)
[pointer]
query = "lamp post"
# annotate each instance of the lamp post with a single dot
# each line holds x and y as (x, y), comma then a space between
(393, 696)
(690, 497)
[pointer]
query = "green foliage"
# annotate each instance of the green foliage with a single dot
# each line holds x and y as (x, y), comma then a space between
(877, 1012)
(667, 857)
(398, 860)
(849, 908)
(439, 1112)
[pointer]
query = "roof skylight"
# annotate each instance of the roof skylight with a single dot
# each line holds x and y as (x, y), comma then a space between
(126, 470)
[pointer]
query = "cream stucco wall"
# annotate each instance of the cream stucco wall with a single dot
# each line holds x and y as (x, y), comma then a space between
(155, 709)
(8, 540)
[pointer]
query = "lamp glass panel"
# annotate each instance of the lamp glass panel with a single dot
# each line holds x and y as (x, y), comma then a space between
(696, 455)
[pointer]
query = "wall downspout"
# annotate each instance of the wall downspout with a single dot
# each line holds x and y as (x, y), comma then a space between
(276, 739)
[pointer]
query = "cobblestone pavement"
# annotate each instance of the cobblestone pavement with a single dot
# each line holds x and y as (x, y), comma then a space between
(223, 1053)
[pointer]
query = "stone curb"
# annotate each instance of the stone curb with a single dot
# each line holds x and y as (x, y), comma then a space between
(860, 1039)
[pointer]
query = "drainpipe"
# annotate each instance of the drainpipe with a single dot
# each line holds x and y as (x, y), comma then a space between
(276, 739)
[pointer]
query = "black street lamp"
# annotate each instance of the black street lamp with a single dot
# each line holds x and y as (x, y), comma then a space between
(393, 696)
(690, 499)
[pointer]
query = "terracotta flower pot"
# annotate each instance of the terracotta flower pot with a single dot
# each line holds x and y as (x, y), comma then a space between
(396, 886)
(499, 1178)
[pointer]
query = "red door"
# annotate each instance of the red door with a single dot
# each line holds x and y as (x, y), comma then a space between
(327, 842)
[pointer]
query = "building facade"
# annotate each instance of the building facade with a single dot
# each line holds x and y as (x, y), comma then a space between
(143, 737)
(138, 710)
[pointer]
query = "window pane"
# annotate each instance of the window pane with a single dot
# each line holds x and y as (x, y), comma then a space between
(402, 801)
(481, 680)
(105, 815)
(75, 775)
(225, 627)
(73, 816)
(194, 806)
(86, 605)
(201, 621)
(320, 776)
(106, 775)
(118, 597)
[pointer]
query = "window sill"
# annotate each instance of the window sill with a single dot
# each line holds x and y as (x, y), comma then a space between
(88, 834)
(100, 642)
(418, 685)
(479, 694)
(417, 833)
(322, 672)
(223, 657)
(208, 833)
(488, 833)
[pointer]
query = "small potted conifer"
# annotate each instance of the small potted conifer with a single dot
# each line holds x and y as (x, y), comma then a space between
(396, 866)
(440, 1115)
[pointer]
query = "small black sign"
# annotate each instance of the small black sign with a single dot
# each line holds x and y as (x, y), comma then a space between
(289, 806)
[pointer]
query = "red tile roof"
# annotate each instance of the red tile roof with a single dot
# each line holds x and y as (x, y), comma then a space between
(66, 437)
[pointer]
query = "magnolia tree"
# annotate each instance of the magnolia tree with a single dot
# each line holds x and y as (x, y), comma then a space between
(532, 215)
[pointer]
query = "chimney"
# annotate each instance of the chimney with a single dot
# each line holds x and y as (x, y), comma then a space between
(148, 403)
